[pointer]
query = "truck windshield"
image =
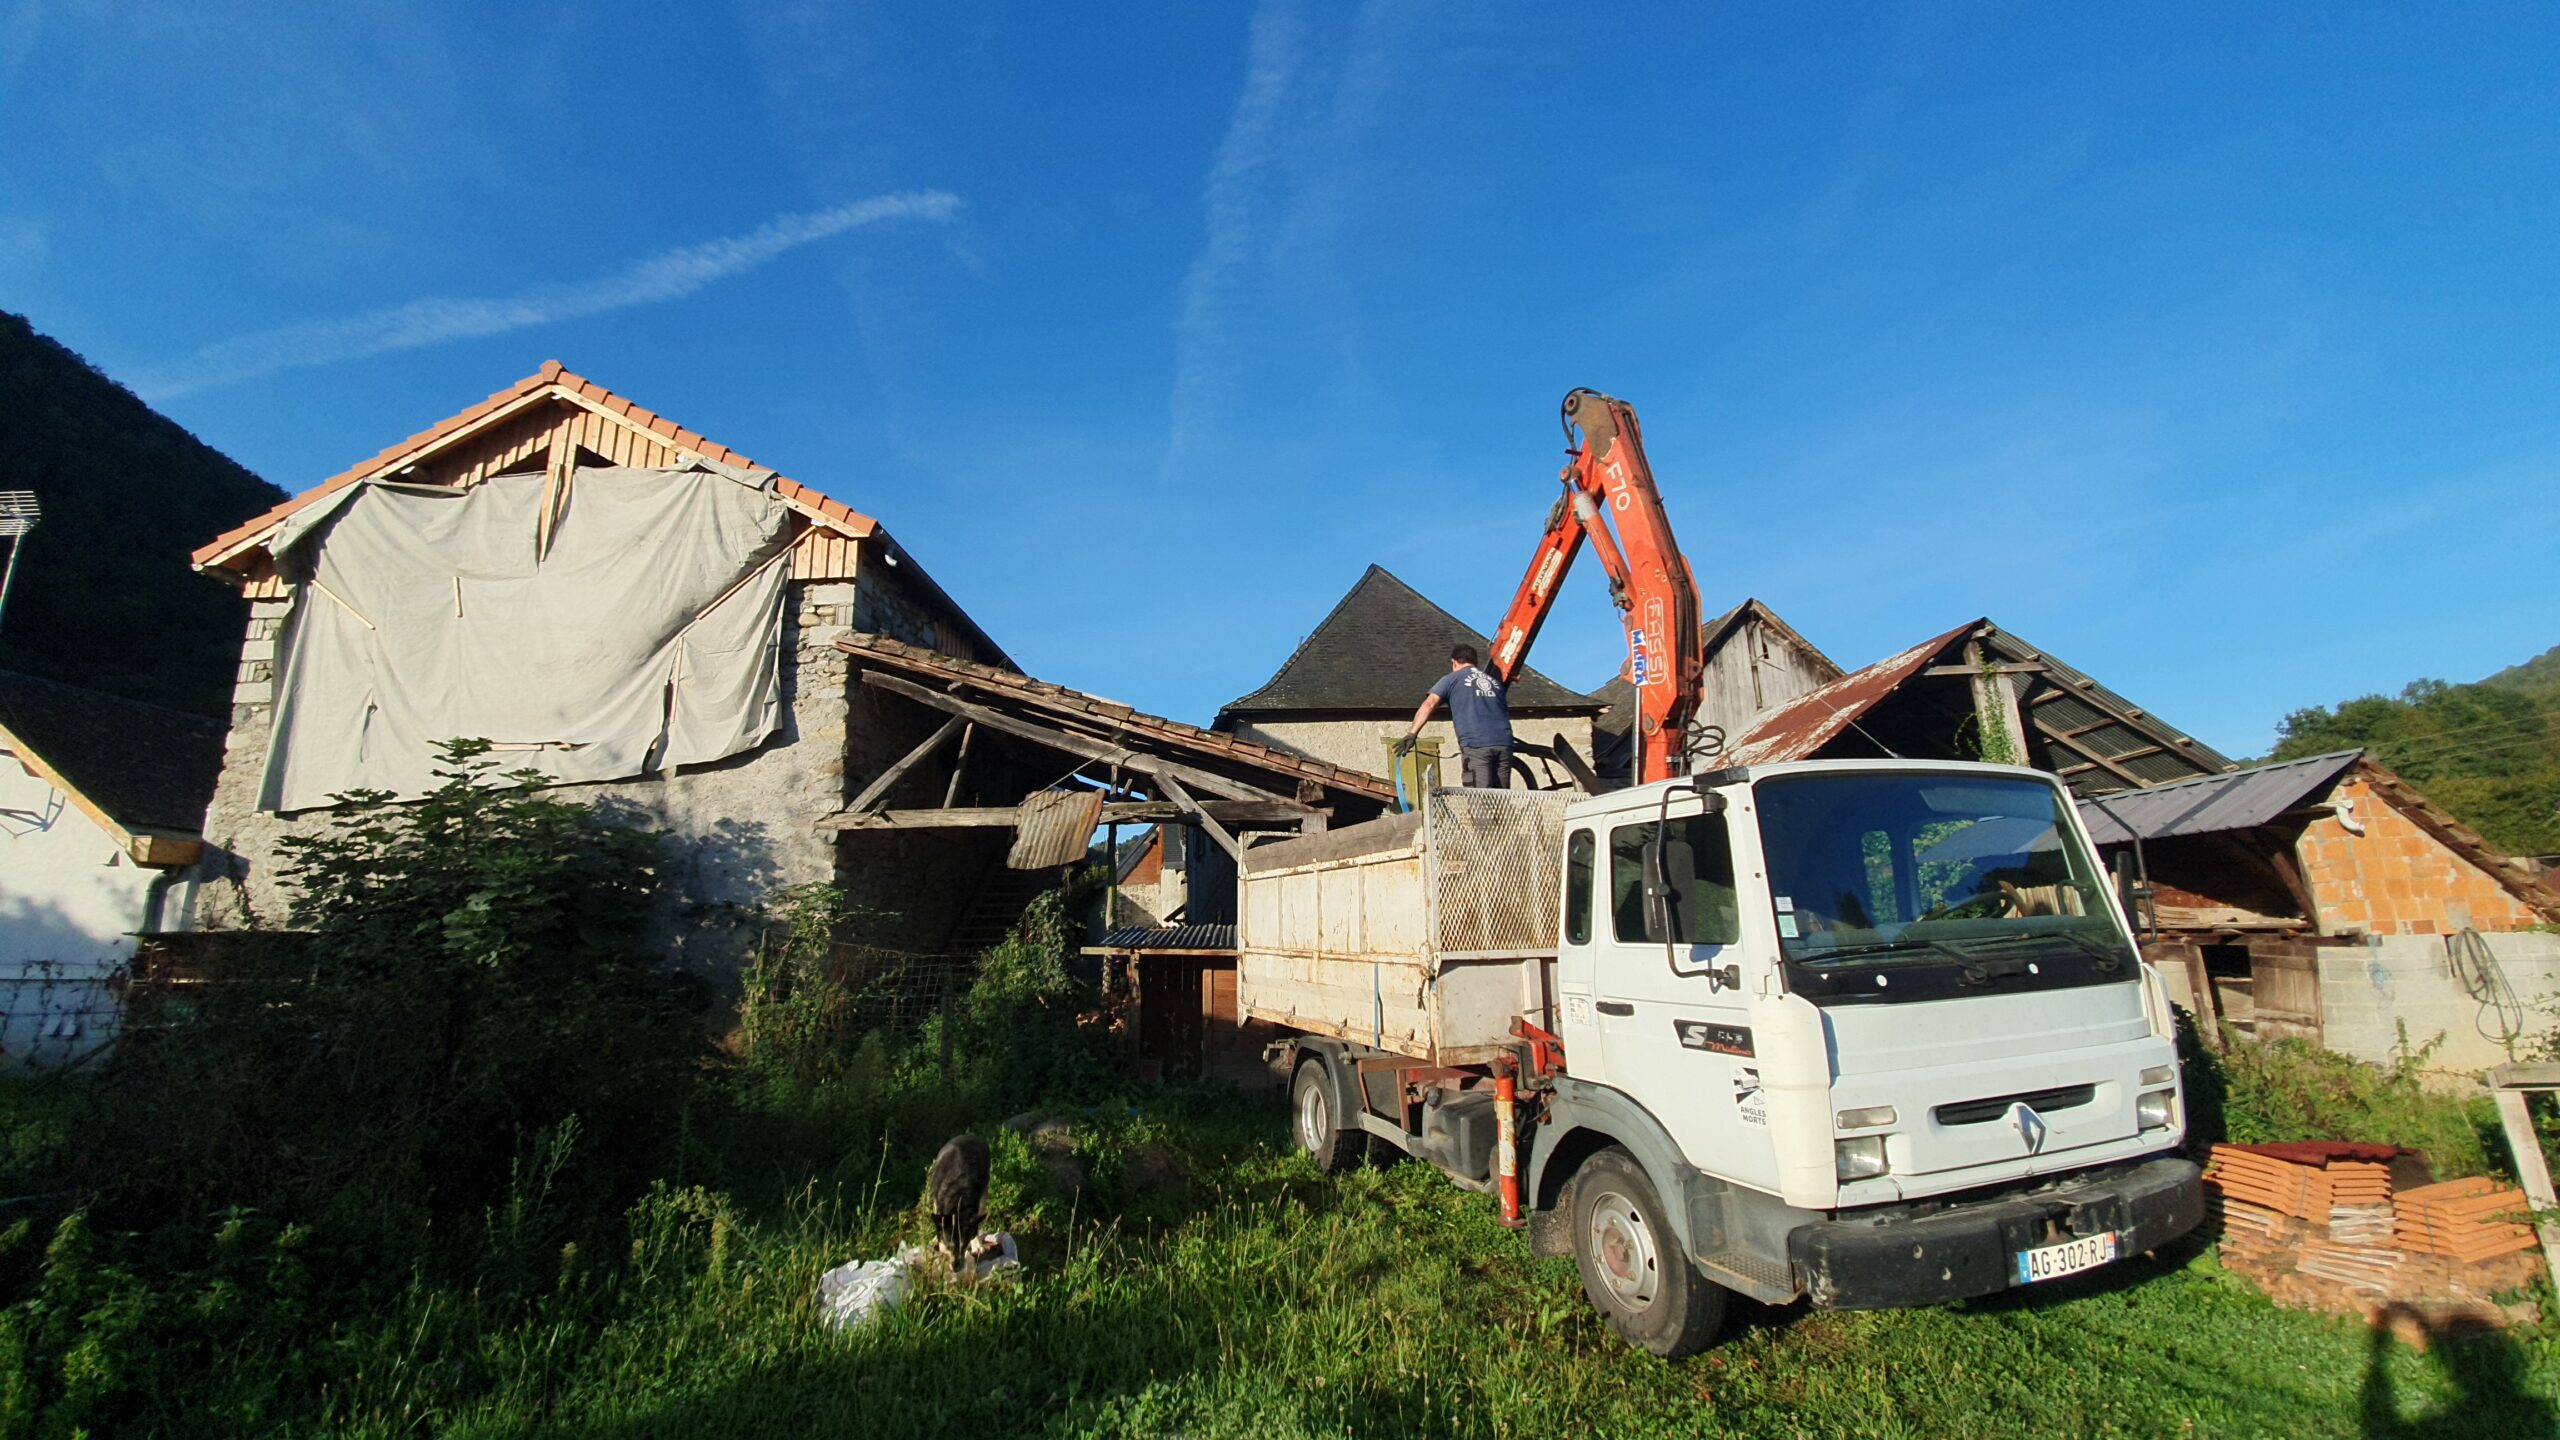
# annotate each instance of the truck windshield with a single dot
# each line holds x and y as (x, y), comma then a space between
(1892, 887)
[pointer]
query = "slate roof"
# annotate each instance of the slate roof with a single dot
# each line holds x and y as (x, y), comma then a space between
(1381, 648)
(143, 766)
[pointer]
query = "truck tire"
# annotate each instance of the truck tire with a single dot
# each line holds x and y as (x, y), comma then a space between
(1317, 1128)
(1631, 1261)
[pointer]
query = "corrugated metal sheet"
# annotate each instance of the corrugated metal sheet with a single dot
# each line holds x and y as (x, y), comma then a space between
(1052, 828)
(2236, 800)
(1170, 937)
(1815, 718)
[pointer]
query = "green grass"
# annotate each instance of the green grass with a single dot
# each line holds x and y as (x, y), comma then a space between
(1262, 1299)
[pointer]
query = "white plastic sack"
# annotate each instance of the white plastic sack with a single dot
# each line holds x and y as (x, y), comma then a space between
(992, 1255)
(858, 1290)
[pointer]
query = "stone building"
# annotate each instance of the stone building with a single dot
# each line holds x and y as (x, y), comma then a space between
(1349, 690)
(640, 612)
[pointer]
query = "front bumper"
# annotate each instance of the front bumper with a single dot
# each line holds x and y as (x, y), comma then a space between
(1971, 1249)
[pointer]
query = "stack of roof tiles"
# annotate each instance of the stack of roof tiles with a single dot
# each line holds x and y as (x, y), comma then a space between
(2318, 1227)
(2467, 1219)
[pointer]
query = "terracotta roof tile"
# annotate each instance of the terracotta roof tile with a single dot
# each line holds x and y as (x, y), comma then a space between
(225, 546)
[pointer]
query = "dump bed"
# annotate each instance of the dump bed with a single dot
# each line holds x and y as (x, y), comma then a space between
(1422, 933)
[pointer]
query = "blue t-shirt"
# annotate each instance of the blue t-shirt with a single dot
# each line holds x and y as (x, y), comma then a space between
(1476, 707)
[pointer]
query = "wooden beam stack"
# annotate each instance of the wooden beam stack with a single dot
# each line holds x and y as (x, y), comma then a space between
(2468, 1219)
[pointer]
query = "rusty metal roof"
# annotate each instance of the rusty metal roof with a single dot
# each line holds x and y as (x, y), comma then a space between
(1795, 730)
(1273, 769)
(1053, 828)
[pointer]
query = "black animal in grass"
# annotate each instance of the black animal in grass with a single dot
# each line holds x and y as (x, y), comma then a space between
(956, 1191)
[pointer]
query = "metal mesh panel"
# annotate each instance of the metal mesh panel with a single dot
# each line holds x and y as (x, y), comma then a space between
(1495, 858)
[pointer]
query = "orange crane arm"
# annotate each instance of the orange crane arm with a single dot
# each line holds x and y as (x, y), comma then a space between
(1608, 484)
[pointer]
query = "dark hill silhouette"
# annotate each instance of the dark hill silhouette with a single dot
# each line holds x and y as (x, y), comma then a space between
(104, 597)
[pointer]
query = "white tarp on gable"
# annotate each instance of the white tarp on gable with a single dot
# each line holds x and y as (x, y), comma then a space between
(648, 635)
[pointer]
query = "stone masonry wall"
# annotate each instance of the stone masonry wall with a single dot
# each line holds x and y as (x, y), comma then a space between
(737, 829)
(2395, 878)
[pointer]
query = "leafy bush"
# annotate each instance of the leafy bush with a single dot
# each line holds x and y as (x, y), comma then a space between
(2258, 1092)
(797, 1019)
(467, 975)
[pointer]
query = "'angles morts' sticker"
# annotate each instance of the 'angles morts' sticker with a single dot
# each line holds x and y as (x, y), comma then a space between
(1718, 1039)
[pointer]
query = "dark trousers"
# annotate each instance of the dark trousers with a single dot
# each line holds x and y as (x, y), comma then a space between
(1486, 767)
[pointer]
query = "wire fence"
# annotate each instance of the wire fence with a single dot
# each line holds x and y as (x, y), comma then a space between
(898, 991)
(59, 1014)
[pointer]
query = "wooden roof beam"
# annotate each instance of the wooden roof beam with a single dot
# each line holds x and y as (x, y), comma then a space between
(1081, 746)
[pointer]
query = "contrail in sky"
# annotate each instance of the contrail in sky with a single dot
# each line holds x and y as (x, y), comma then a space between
(1233, 201)
(668, 275)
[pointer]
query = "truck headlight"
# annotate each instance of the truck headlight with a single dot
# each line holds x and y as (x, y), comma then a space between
(1859, 1159)
(2156, 1110)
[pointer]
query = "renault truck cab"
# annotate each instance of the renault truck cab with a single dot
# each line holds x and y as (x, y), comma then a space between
(1872, 1032)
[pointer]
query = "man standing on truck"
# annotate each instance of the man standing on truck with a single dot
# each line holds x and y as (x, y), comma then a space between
(1482, 717)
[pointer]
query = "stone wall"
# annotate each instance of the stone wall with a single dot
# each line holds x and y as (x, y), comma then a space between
(1361, 744)
(737, 829)
(2395, 878)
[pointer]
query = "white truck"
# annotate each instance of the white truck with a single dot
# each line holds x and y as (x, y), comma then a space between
(1869, 1033)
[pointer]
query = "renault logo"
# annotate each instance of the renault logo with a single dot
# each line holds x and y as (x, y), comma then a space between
(2030, 1127)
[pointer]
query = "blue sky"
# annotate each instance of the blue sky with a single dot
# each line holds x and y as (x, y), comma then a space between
(2212, 347)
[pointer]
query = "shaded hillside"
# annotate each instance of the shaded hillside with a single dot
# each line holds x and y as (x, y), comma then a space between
(2489, 753)
(104, 597)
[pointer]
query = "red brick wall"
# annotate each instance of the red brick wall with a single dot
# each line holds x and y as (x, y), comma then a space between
(2396, 879)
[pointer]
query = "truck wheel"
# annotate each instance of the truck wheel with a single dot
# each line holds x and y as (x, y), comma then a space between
(1631, 1263)
(1311, 1119)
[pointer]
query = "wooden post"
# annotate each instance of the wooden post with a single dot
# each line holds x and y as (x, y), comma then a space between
(2509, 1083)
(959, 765)
(1995, 703)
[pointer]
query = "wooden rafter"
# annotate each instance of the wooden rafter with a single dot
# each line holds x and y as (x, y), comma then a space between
(1083, 746)
(2085, 753)
(1245, 813)
(878, 790)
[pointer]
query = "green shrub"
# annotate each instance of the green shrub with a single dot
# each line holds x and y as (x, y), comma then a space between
(2259, 1092)
(467, 973)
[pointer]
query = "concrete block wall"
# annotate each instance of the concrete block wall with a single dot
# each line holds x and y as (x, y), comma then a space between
(2368, 991)
(2395, 878)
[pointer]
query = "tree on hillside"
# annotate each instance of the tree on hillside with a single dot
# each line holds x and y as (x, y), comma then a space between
(2489, 754)
(105, 597)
